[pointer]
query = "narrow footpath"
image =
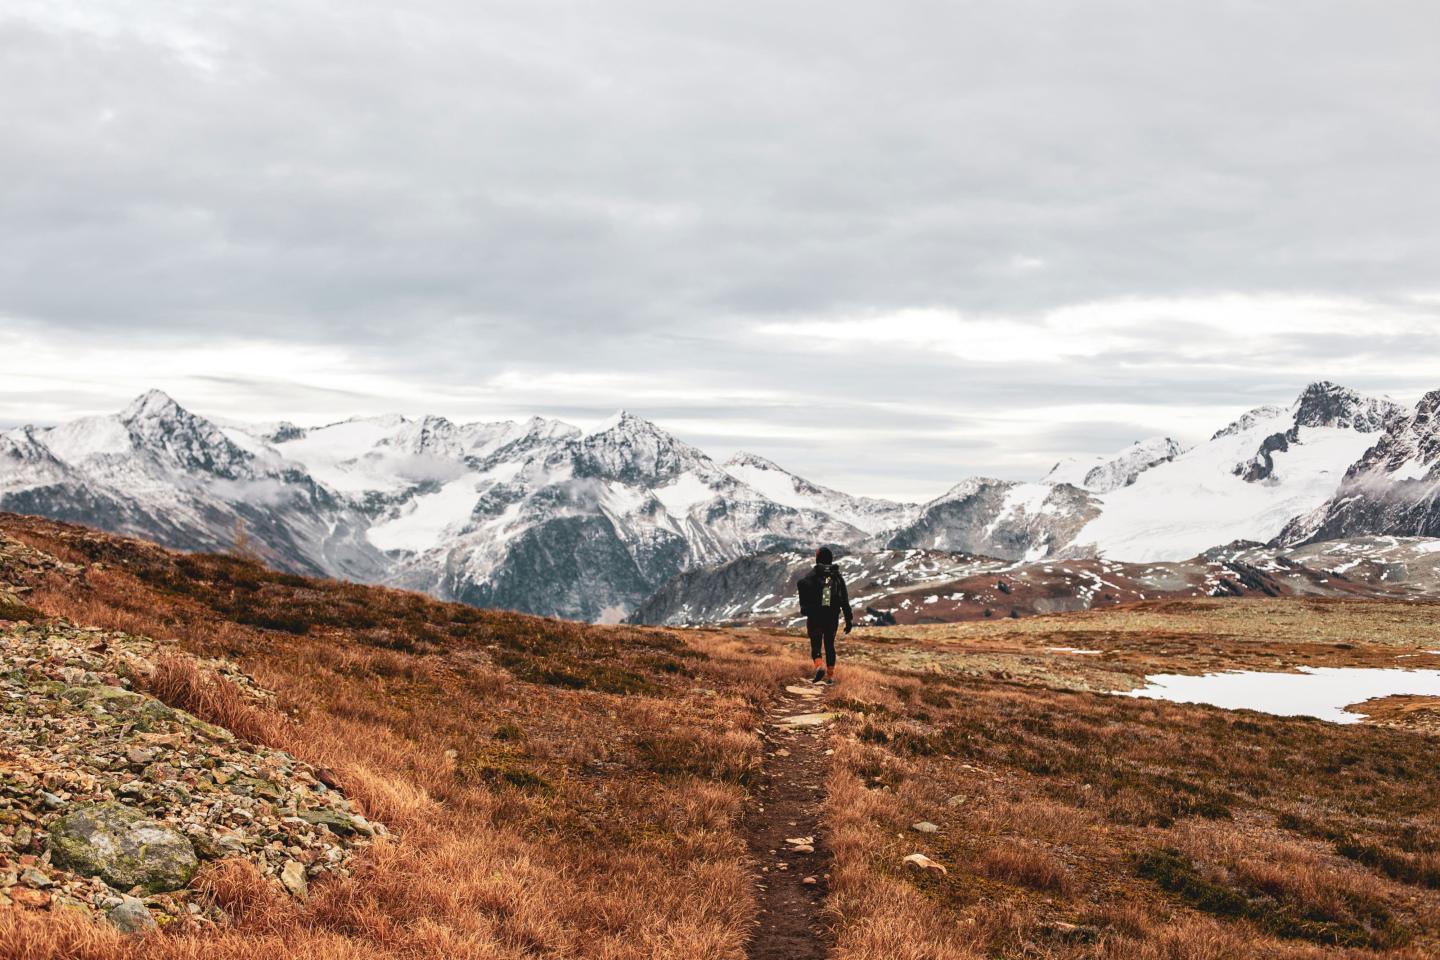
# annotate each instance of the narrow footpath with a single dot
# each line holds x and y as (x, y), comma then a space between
(791, 856)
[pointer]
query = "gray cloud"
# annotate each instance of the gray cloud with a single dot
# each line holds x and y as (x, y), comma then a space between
(448, 193)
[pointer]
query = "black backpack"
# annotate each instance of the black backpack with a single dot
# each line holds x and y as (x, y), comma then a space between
(819, 590)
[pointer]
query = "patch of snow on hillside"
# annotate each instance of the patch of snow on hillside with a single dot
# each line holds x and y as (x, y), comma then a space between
(335, 455)
(685, 492)
(87, 437)
(775, 484)
(424, 521)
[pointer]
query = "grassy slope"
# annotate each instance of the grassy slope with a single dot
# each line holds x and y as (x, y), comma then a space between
(571, 791)
(556, 789)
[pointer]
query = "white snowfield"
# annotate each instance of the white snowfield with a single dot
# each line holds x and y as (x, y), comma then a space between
(1179, 509)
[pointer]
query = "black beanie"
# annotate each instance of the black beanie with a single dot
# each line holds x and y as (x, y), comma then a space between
(823, 555)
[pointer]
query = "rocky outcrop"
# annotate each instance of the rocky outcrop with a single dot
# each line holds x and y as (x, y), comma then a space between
(1393, 489)
(1262, 465)
(110, 799)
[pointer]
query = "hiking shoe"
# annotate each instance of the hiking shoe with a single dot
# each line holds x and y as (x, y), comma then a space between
(819, 675)
(829, 681)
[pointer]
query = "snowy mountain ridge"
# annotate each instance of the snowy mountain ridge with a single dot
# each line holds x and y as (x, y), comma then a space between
(540, 516)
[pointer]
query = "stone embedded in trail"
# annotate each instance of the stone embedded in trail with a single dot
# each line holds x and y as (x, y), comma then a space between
(801, 844)
(919, 861)
(123, 847)
(809, 692)
(807, 720)
(924, 826)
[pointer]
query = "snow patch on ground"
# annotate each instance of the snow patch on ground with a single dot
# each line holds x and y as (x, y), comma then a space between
(1321, 692)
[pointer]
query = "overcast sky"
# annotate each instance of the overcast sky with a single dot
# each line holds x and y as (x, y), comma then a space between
(888, 244)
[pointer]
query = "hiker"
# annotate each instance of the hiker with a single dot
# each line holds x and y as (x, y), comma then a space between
(823, 598)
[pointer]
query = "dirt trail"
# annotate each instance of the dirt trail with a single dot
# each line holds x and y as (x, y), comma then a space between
(788, 807)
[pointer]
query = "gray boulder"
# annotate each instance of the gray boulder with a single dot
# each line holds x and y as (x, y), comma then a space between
(131, 916)
(123, 847)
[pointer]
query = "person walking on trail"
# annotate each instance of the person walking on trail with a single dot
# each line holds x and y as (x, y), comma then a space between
(823, 599)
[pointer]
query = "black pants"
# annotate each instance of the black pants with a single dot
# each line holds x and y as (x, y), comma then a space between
(822, 628)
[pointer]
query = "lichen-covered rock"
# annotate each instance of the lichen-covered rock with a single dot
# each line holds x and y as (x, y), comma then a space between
(337, 821)
(123, 847)
(131, 916)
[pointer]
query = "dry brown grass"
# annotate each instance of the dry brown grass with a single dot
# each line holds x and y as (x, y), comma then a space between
(1025, 865)
(178, 682)
(555, 789)
(1084, 826)
(567, 791)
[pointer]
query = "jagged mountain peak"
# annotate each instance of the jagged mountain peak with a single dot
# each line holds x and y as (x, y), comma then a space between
(1429, 406)
(428, 434)
(622, 421)
(633, 450)
(152, 405)
(1104, 474)
(22, 444)
(1327, 404)
(744, 459)
(971, 486)
(1249, 419)
(161, 428)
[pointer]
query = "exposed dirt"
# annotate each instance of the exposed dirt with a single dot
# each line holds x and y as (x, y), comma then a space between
(790, 796)
(1421, 714)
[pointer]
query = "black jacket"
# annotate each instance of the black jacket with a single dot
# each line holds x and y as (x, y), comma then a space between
(811, 588)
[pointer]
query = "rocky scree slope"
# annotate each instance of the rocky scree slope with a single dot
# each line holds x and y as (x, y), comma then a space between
(110, 800)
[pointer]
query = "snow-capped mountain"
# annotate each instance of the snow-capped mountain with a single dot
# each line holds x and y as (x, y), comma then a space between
(533, 515)
(1245, 483)
(158, 471)
(590, 525)
(537, 516)
(1392, 489)
(864, 513)
(999, 518)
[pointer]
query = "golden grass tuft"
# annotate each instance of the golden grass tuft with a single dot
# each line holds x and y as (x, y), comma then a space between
(177, 682)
